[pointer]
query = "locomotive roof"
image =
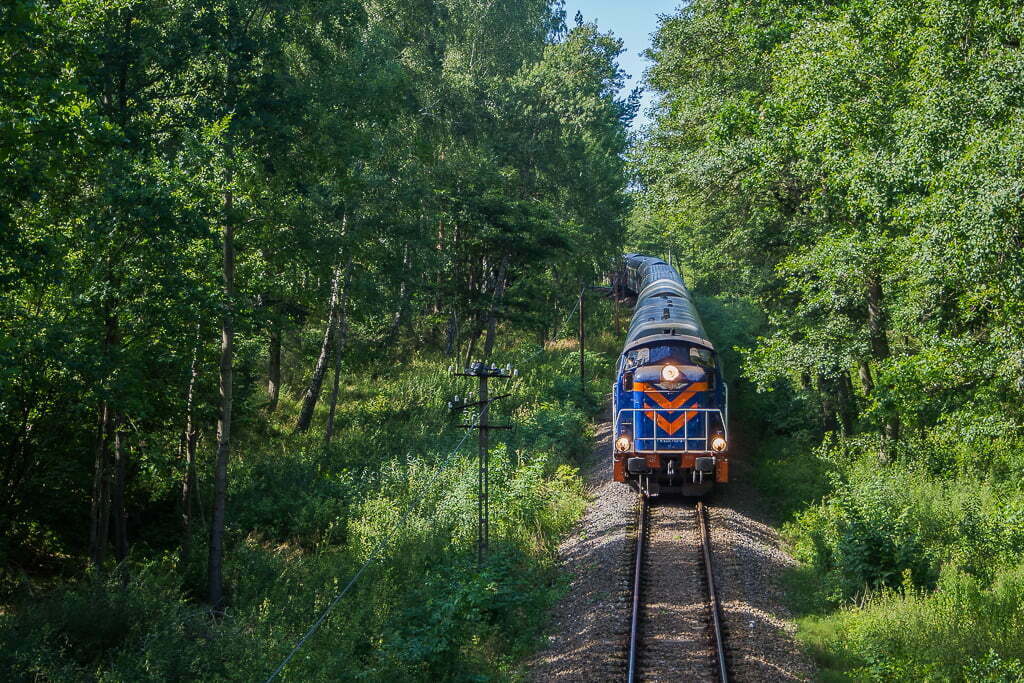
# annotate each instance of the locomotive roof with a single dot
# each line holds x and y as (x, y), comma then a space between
(664, 308)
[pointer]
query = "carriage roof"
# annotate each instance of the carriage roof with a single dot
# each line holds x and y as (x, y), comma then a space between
(664, 307)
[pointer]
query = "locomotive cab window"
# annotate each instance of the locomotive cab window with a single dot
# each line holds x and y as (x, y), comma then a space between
(637, 358)
(702, 356)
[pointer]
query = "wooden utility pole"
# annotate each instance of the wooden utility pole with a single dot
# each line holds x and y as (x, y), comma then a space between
(583, 339)
(482, 372)
(483, 508)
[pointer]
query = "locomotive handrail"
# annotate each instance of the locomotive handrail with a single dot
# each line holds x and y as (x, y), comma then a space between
(725, 385)
(685, 438)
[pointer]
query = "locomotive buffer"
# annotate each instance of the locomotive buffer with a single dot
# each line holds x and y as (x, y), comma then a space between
(483, 372)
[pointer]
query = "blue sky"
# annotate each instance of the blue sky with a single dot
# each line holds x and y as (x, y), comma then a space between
(633, 22)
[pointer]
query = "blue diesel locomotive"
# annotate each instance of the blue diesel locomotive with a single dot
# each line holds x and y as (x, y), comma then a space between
(669, 403)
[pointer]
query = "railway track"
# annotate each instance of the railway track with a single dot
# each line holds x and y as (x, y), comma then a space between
(675, 627)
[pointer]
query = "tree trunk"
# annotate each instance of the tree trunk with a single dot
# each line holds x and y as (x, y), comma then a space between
(876, 321)
(439, 246)
(274, 366)
(452, 336)
(220, 474)
(98, 513)
(880, 345)
(402, 305)
(492, 316)
(16, 467)
(100, 508)
(828, 404)
(340, 337)
(892, 426)
(616, 313)
(474, 337)
(864, 370)
(104, 521)
(312, 394)
(582, 337)
(847, 403)
(187, 450)
(117, 496)
(333, 404)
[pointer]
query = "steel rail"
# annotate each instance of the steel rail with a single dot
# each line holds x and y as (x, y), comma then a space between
(635, 621)
(716, 623)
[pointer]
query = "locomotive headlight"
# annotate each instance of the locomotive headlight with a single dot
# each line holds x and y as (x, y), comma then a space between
(718, 443)
(622, 443)
(670, 373)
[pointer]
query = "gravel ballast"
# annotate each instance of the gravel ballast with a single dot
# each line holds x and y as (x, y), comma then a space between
(588, 629)
(588, 632)
(675, 642)
(748, 561)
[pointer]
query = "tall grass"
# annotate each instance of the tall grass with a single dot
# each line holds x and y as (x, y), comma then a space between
(304, 517)
(908, 571)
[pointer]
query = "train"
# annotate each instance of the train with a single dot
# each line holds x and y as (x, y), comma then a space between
(670, 403)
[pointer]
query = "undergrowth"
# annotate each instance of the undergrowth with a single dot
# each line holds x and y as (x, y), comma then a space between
(398, 483)
(908, 570)
(910, 553)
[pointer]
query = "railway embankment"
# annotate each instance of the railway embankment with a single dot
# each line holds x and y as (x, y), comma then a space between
(589, 626)
(588, 635)
(749, 562)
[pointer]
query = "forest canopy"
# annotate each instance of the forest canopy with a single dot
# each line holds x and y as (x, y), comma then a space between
(218, 217)
(848, 177)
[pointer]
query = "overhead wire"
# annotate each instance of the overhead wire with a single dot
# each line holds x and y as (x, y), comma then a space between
(355, 577)
(383, 541)
(561, 327)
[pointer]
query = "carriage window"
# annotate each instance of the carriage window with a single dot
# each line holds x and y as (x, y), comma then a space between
(702, 356)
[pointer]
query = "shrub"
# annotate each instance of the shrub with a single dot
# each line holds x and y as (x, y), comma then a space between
(304, 518)
(960, 631)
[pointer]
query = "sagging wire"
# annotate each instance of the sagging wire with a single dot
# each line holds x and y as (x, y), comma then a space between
(355, 577)
(561, 327)
(383, 541)
(558, 333)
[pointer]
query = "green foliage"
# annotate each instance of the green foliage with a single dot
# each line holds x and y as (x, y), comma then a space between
(440, 154)
(893, 535)
(965, 630)
(454, 169)
(306, 517)
(851, 172)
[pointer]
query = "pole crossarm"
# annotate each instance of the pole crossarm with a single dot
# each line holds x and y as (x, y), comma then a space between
(483, 372)
(463, 406)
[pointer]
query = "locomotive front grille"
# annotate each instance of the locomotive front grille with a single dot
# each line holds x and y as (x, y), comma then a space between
(688, 442)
